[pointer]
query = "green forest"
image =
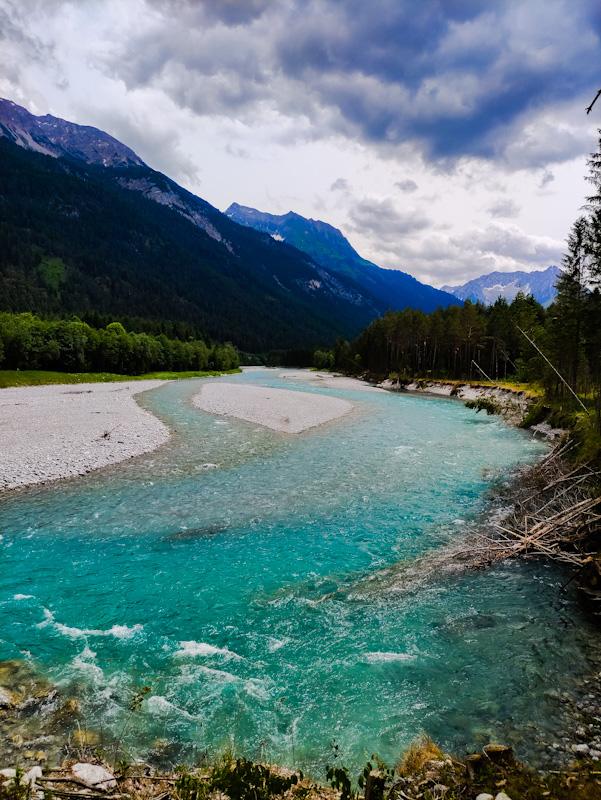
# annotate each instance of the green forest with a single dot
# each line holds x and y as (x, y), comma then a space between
(519, 341)
(29, 342)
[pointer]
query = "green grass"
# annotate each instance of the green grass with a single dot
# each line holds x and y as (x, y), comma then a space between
(34, 377)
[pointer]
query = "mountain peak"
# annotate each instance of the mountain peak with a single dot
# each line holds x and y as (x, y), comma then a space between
(328, 246)
(59, 138)
(488, 288)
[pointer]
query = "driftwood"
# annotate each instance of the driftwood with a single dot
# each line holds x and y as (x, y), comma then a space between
(555, 514)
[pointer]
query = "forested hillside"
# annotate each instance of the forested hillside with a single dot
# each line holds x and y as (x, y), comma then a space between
(75, 239)
(326, 245)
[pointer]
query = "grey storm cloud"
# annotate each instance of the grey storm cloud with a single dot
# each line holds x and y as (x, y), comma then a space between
(454, 77)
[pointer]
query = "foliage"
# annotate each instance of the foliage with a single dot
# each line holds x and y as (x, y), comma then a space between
(15, 789)
(484, 404)
(323, 359)
(52, 271)
(239, 779)
(378, 779)
(418, 754)
(29, 342)
(339, 779)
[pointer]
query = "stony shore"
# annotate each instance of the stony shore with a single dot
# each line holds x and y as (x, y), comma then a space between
(59, 431)
(279, 409)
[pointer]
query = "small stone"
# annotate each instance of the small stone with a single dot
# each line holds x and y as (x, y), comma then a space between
(40, 755)
(94, 776)
(8, 699)
(8, 772)
(580, 749)
(502, 796)
(485, 796)
(31, 776)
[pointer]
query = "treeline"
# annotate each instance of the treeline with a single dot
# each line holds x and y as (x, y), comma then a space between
(456, 342)
(503, 340)
(29, 342)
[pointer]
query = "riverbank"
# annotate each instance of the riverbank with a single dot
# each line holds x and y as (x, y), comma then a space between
(52, 431)
(511, 403)
(57, 431)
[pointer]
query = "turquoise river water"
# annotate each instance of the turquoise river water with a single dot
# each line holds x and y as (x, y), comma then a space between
(221, 570)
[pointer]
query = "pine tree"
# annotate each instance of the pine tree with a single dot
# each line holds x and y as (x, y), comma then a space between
(567, 315)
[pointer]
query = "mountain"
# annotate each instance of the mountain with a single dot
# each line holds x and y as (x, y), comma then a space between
(57, 137)
(86, 227)
(328, 247)
(488, 288)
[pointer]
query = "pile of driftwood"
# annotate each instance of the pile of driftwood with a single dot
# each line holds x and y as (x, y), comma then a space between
(555, 514)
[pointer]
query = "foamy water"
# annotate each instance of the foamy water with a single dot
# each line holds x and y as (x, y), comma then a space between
(221, 570)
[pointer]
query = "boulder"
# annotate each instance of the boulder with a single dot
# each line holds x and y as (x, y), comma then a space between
(94, 776)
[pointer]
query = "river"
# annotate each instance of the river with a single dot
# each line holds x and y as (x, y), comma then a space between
(219, 571)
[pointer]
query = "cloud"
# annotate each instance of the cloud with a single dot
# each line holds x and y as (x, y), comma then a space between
(381, 219)
(547, 178)
(406, 185)
(505, 208)
(340, 185)
(513, 243)
(457, 78)
(454, 258)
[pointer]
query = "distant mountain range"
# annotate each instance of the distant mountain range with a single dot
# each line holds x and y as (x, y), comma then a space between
(328, 247)
(132, 244)
(488, 288)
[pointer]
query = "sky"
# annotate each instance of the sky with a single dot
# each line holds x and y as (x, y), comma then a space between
(447, 138)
